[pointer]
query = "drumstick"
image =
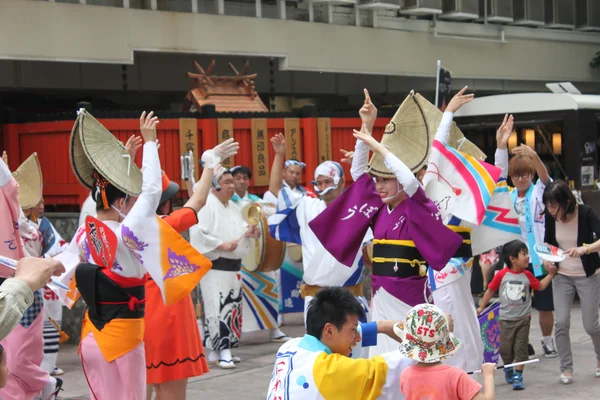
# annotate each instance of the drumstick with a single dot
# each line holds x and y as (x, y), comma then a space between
(509, 365)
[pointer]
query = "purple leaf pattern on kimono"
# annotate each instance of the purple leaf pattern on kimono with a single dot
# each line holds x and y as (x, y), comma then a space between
(180, 265)
(116, 266)
(133, 243)
(84, 251)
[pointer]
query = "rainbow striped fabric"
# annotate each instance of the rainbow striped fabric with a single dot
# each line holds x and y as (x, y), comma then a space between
(500, 224)
(471, 182)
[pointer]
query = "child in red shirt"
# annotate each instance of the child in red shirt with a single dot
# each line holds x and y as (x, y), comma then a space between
(515, 283)
(426, 338)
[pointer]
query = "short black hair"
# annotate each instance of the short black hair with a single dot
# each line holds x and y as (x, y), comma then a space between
(331, 305)
(241, 169)
(512, 249)
(559, 193)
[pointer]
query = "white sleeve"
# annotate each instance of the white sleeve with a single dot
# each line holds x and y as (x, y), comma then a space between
(501, 161)
(360, 159)
(148, 201)
(200, 236)
(538, 190)
(269, 197)
(403, 174)
(443, 131)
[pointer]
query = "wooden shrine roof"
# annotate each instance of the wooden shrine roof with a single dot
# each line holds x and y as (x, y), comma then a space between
(233, 93)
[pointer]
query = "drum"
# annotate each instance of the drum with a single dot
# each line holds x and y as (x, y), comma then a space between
(266, 254)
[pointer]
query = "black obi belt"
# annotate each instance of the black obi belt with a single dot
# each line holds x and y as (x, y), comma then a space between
(106, 299)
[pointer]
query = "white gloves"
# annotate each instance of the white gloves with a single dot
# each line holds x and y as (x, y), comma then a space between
(212, 157)
(218, 172)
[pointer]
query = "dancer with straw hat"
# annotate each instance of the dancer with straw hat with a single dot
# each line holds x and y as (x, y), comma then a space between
(25, 344)
(109, 257)
(407, 226)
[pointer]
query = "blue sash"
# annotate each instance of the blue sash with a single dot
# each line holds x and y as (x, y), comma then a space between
(47, 234)
(538, 270)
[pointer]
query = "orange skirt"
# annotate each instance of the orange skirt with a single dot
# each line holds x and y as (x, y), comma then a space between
(173, 347)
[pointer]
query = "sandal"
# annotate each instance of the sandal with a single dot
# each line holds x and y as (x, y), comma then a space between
(54, 395)
(226, 364)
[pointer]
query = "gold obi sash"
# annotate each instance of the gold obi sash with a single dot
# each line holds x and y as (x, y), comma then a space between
(401, 259)
(398, 258)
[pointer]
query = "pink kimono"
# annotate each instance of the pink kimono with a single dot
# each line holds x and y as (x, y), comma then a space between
(24, 346)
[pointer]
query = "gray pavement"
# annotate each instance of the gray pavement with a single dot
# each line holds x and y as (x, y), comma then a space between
(251, 378)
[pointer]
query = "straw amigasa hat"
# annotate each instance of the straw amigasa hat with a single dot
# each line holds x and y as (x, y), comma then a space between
(93, 147)
(410, 134)
(29, 178)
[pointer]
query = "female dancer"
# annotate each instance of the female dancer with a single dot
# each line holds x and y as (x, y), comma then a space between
(408, 229)
(111, 348)
(172, 359)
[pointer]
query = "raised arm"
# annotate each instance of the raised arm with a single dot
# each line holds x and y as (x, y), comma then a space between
(460, 99)
(212, 168)
(360, 159)
(368, 116)
(276, 179)
(502, 136)
(149, 199)
(404, 175)
(540, 168)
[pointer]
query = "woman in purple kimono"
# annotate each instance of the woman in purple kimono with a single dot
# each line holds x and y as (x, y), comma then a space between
(407, 226)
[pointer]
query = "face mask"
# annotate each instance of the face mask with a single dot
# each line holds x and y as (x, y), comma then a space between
(325, 191)
(118, 210)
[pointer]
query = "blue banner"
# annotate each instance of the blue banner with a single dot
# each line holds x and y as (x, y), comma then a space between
(291, 279)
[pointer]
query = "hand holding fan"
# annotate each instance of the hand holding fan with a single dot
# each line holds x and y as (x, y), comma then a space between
(550, 253)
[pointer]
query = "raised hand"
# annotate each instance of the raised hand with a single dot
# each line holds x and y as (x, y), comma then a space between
(368, 112)
(373, 144)
(148, 126)
(347, 156)
(459, 100)
(524, 150)
(133, 145)
(226, 149)
(278, 142)
(504, 131)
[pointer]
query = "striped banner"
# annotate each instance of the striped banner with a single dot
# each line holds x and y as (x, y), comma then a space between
(260, 301)
(471, 181)
(500, 224)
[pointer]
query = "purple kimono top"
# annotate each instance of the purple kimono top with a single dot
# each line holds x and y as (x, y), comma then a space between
(342, 226)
